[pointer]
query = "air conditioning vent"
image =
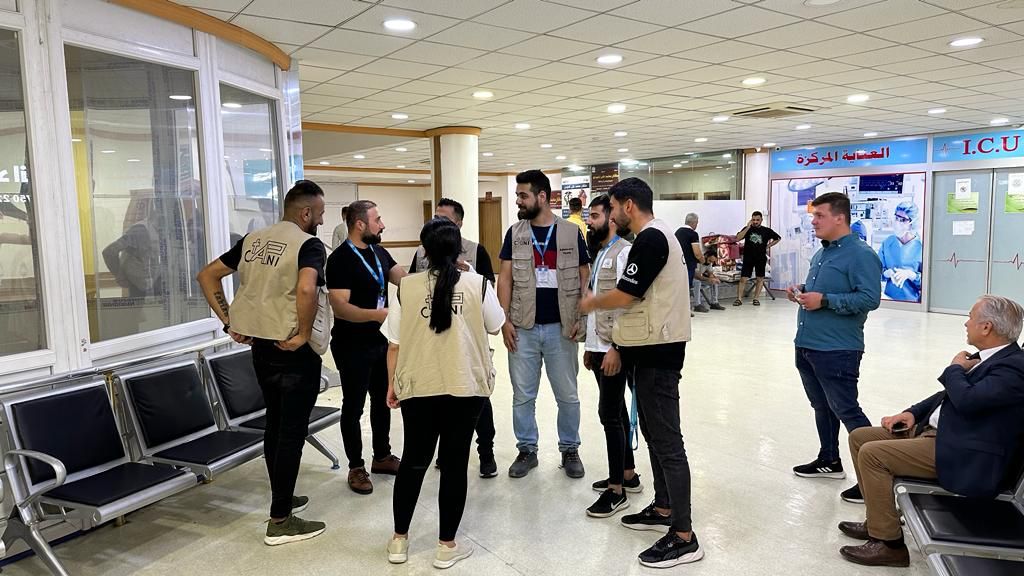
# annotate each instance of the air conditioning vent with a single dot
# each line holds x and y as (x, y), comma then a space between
(776, 110)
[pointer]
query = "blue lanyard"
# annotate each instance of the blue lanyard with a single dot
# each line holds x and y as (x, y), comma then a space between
(536, 244)
(381, 280)
(597, 261)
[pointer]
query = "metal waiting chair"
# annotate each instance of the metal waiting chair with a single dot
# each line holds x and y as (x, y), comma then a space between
(946, 565)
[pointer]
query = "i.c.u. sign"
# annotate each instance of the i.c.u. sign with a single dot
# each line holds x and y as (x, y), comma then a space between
(978, 146)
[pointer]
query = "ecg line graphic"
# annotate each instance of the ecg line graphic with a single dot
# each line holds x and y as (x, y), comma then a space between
(956, 261)
(1016, 261)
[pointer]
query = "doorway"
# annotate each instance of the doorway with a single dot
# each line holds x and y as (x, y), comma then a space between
(490, 228)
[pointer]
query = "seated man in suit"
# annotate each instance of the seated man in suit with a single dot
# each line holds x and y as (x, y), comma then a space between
(968, 436)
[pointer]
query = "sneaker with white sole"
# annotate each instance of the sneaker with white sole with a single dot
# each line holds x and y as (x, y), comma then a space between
(447, 557)
(293, 529)
(647, 519)
(608, 504)
(821, 469)
(398, 550)
(299, 503)
(671, 550)
(852, 495)
(631, 485)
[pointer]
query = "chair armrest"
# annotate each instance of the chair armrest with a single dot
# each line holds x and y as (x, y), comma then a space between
(23, 498)
(324, 383)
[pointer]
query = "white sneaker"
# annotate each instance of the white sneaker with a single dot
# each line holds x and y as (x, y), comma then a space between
(447, 557)
(398, 550)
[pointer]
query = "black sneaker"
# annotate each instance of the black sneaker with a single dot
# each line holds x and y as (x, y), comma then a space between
(647, 519)
(632, 485)
(671, 550)
(524, 462)
(821, 469)
(488, 467)
(572, 464)
(853, 495)
(608, 504)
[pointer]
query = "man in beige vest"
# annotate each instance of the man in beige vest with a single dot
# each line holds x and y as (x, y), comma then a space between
(281, 268)
(651, 336)
(544, 268)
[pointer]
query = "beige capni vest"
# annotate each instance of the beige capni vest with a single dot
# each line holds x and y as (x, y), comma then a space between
(523, 308)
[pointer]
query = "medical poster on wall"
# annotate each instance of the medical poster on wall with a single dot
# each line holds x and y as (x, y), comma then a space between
(887, 212)
(577, 186)
(1015, 193)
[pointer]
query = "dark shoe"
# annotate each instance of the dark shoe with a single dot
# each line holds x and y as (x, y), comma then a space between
(572, 464)
(387, 465)
(717, 306)
(488, 467)
(671, 550)
(702, 308)
(877, 553)
(294, 529)
(821, 469)
(608, 504)
(299, 503)
(632, 485)
(647, 519)
(437, 464)
(737, 302)
(855, 530)
(852, 495)
(524, 462)
(359, 481)
(756, 302)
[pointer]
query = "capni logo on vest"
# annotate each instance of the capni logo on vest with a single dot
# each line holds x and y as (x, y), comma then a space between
(457, 302)
(268, 254)
(984, 145)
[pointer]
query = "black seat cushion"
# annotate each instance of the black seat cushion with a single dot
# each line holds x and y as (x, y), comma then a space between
(971, 520)
(169, 404)
(210, 448)
(114, 484)
(75, 427)
(236, 381)
(317, 413)
(969, 566)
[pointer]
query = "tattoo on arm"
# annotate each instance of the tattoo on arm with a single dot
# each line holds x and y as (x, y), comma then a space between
(222, 302)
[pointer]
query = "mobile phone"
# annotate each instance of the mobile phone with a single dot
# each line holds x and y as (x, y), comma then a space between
(797, 291)
(900, 427)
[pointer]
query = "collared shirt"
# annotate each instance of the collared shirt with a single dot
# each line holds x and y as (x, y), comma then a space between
(847, 272)
(985, 354)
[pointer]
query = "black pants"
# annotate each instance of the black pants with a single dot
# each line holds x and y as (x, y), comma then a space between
(446, 422)
(364, 370)
(485, 431)
(290, 382)
(614, 416)
(657, 398)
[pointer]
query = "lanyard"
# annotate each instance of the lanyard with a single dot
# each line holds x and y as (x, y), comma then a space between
(598, 260)
(381, 280)
(537, 245)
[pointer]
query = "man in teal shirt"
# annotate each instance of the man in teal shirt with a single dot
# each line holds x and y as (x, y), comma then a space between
(841, 288)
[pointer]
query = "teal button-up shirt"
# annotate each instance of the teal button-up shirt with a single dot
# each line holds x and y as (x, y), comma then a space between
(847, 272)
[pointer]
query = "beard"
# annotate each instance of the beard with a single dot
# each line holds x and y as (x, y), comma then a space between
(529, 213)
(370, 239)
(622, 228)
(598, 235)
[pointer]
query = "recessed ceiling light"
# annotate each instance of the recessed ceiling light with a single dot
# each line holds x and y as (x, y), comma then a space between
(411, 181)
(803, 127)
(232, 105)
(358, 156)
(677, 165)
(265, 150)
(623, 150)
(870, 134)
(726, 155)
(627, 161)
(609, 59)
(399, 25)
(401, 149)
(699, 140)
(768, 144)
(545, 145)
(857, 98)
(722, 118)
(755, 81)
(400, 166)
(575, 168)
(400, 116)
(522, 126)
(620, 134)
(998, 121)
(937, 111)
(559, 157)
(134, 160)
(510, 164)
(718, 167)
(732, 161)
(616, 108)
(488, 154)
(820, 2)
(483, 94)
(969, 41)
(325, 163)
(684, 161)
(182, 97)
(669, 172)
(76, 139)
(107, 151)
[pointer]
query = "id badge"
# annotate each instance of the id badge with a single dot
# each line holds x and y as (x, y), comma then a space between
(546, 277)
(380, 302)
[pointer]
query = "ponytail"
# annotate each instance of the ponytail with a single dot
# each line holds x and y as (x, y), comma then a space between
(443, 243)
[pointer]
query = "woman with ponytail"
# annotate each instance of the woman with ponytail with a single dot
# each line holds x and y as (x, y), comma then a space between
(439, 373)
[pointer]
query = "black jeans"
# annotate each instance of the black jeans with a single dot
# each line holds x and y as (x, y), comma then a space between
(485, 431)
(364, 370)
(446, 422)
(657, 398)
(614, 416)
(290, 382)
(830, 382)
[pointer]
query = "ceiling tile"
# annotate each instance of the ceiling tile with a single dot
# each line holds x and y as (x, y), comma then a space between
(342, 91)
(724, 51)
(424, 87)
(890, 82)
(400, 97)
(773, 61)
(669, 41)
(331, 58)
(998, 42)
(672, 12)
(798, 8)
(995, 14)
(920, 65)
(463, 77)
(315, 74)
(281, 30)
(399, 68)
(659, 85)
(889, 55)
(798, 34)
(365, 80)
(372, 21)
(226, 5)
(614, 79)
(569, 89)
(561, 71)
(711, 73)
(934, 27)
(882, 14)
(519, 83)
(480, 36)
(502, 63)
(628, 57)
(739, 22)
(433, 53)
(953, 72)
(609, 29)
(813, 69)
(853, 78)
(311, 11)
(663, 66)
(361, 42)
(530, 99)
(844, 46)
(596, 5)
(455, 9)
(533, 16)
(550, 48)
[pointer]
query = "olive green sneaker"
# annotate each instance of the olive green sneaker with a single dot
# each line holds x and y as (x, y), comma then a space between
(299, 503)
(294, 529)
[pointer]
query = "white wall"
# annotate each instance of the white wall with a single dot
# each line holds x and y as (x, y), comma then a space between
(757, 181)
(401, 209)
(336, 196)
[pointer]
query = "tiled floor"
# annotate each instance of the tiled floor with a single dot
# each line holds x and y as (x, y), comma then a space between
(746, 423)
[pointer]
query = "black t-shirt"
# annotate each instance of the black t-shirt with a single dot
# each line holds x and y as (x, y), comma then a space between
(687, 238)
(346, 271)
(547, 298)
(483, 264)
(755, 246)
(312, 254)
(646, 260)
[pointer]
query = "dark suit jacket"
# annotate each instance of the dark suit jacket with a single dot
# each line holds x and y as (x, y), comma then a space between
(980, 439)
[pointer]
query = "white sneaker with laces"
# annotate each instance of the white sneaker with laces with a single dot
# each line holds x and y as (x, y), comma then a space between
(398, 550)
(447, 557)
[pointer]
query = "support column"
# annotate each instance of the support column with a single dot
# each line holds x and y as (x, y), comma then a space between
(454, 171)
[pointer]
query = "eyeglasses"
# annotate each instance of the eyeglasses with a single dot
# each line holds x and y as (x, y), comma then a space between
(902, 218)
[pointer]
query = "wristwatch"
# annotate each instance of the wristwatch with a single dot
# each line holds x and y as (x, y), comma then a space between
(824, 302)
(227, 328)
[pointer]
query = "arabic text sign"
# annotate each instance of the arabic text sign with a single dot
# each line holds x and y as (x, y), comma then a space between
(978, 146)
(827, 157)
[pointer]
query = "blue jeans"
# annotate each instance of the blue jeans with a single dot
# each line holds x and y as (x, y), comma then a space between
(544, 344)
(830, 381)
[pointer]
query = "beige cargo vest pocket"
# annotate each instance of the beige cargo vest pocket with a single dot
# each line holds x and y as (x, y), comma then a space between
(633, 327)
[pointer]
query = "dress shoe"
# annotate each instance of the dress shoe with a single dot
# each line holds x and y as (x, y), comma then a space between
(386, 465)
(877, 553)
(855, 530)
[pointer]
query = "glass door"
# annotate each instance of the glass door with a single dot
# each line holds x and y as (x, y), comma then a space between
(961, 214)
(1006, 269)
